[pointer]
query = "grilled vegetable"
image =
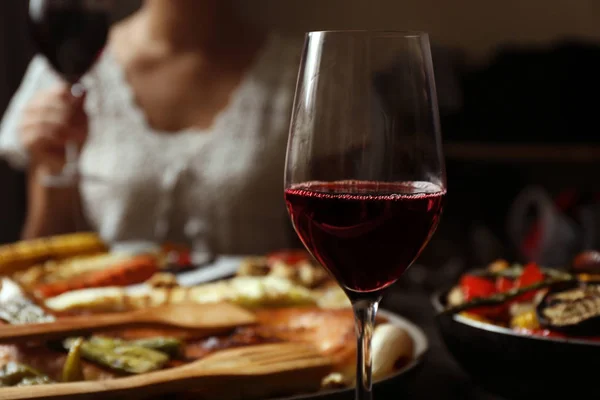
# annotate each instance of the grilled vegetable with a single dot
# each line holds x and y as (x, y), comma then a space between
(490, 295)
(121, 356)
(525, 320)
(516, 271)
(58, 270)
(170, 346)
(73, 370)
(500, 298)
(572, 309)
(15, 374)
(503, 284)
(475, 287)
(21, 255)
(163, 280)
(250, 292)
(254, 266)
(294, 265)
(511, 272)
(134, 270)
(498, 266)
(531, 275)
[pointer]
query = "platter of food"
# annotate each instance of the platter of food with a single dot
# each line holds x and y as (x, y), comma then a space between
(290, 298)
(538, 328)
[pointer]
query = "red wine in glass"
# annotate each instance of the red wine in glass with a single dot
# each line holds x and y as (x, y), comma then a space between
(365, 233)
(71, 35)
(365, 178)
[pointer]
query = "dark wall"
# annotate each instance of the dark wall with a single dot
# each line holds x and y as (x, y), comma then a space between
(15, 52)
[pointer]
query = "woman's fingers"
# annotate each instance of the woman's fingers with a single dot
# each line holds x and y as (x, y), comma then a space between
(51, 119)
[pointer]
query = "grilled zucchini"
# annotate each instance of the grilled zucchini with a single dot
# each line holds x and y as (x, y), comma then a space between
(21, 255)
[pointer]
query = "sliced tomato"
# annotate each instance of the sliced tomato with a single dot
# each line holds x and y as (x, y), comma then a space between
(290, 257)
(503, 284)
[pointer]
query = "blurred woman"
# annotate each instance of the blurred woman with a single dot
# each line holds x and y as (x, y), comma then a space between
(183, 132)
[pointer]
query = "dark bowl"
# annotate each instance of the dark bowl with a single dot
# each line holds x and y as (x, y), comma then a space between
(519, 366)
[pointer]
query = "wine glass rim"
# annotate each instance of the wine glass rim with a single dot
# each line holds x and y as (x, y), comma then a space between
(403, 33)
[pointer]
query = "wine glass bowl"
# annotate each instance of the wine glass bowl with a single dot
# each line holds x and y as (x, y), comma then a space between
(71, 34)
(365, 233)
(365, 178)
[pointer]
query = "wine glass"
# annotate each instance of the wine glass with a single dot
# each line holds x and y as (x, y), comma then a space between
(71, 35)
(365, 177)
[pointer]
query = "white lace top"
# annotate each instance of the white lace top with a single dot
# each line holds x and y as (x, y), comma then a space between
(221, 188)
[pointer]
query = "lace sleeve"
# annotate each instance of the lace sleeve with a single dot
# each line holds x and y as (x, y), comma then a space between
(39, 76)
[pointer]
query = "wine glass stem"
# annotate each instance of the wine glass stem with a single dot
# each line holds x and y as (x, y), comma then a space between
(364, 315)
(71, 148)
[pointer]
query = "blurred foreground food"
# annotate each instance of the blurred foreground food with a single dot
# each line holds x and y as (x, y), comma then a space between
(292, 296)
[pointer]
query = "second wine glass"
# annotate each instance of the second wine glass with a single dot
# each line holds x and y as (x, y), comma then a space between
(365, 179)
(71, 35)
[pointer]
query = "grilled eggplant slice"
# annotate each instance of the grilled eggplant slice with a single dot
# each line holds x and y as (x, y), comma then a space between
(571, 308)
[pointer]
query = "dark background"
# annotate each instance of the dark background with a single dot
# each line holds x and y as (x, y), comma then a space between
(516, 83)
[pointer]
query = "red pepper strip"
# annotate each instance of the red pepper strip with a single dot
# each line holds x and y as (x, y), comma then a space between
(135, 270)
(477, 287)
(474, 287)
(503, 284)
(531, 275)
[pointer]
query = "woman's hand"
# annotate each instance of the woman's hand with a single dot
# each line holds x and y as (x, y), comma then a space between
(51, 119)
